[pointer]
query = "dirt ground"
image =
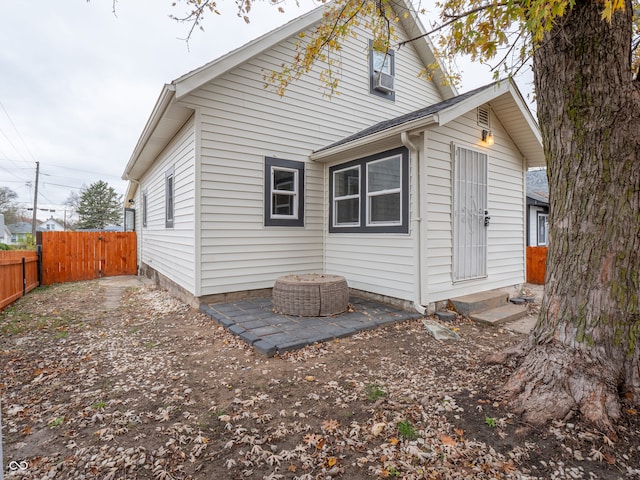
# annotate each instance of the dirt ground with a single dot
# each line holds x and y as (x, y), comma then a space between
(143, 387)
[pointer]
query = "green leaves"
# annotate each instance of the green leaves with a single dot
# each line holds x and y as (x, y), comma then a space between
(99, 206)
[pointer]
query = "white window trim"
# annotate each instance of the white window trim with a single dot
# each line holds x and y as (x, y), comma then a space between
(391, 191)
(145, 199)
(271, 219)
(170, 198)
(546, 230)
(346, 197)
(294, 193)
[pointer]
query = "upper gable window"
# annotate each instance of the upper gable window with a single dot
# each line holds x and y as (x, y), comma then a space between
(284, 193)
(382, 71)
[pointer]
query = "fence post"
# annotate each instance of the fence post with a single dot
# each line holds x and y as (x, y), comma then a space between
(39, 268)
(24, 276)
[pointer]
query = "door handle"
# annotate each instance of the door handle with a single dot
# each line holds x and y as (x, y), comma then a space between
(487, 218)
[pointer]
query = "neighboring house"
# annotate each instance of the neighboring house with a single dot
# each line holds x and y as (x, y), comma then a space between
(50, 225)
(5, 233)
(537, 208)
(20, 232)
(393, 184)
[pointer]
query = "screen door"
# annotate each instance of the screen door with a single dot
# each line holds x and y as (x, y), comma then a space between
(470, 215)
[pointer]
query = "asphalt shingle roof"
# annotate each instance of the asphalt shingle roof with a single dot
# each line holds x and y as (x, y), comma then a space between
(408, 117)
(537, 185)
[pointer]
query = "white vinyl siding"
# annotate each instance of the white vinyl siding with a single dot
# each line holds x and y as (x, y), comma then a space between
(505, 199)
(242, 123)
(380, 263)
(171, 251)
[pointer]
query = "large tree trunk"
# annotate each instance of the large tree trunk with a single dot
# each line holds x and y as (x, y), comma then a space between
(583, 353)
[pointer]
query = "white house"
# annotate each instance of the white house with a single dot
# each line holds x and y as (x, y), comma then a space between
(50, 225)
(5, 233)
(409, 190)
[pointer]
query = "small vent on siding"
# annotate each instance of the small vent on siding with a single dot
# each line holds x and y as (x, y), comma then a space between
(483, 117)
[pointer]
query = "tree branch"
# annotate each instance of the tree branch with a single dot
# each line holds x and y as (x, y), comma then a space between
(454, 19)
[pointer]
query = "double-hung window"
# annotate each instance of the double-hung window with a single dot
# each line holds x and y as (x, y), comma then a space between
(284, 192)
(346, 198)
(384, 205)
(371, 195)
(144, 208)
(169, 190)
(543, 228)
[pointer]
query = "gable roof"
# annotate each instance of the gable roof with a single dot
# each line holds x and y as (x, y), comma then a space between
(20, 227)
(538, 186)
(505, 100)
(168, 115)
(201, 76)
(406, 119)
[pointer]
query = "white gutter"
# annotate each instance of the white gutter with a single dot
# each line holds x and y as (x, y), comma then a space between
(417, 221)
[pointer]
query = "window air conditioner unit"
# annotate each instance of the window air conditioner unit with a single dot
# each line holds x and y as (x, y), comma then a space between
(383, 82)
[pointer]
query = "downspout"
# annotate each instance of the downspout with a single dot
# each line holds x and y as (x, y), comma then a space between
(138, 232)
(417, 220)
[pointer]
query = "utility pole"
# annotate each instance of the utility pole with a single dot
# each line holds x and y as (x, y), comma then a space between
(35, 202)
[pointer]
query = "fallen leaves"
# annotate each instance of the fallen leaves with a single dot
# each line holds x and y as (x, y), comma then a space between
(447, 440)
(385, 403)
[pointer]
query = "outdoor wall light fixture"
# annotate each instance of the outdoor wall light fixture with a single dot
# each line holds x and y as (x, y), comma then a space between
(131, 201)
(487, 137)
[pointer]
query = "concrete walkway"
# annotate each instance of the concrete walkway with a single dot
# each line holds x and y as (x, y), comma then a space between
(116, 287)
(254, 321)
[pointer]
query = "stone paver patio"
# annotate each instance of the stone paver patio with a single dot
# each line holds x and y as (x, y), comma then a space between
(254, 321)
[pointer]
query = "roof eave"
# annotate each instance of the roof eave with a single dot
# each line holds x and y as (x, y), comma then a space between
(163, 102)
(214, 69)
(339, 151)
(531, 145)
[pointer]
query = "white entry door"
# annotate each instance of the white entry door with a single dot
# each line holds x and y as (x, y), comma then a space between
(470, 215)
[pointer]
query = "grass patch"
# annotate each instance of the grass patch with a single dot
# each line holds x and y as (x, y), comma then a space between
(374, 392)
(407, 431)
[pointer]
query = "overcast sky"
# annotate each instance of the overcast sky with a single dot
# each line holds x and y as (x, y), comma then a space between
(77, 83)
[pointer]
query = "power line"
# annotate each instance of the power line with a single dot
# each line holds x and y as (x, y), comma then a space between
(58, 185)
(17, 131)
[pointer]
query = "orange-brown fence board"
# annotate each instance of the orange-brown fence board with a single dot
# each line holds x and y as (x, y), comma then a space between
(74, 256)
(536, 264)
(16, 279)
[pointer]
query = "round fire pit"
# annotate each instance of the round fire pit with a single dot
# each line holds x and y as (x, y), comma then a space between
(310, 295)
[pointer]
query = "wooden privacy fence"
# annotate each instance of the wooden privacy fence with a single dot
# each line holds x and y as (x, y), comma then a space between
(536, 264)
(18, 274)
(74, 256)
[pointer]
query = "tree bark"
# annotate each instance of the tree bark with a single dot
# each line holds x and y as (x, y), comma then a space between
(583, 354)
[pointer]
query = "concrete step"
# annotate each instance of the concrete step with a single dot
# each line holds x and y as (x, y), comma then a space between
(479, 302)
(500, 315)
